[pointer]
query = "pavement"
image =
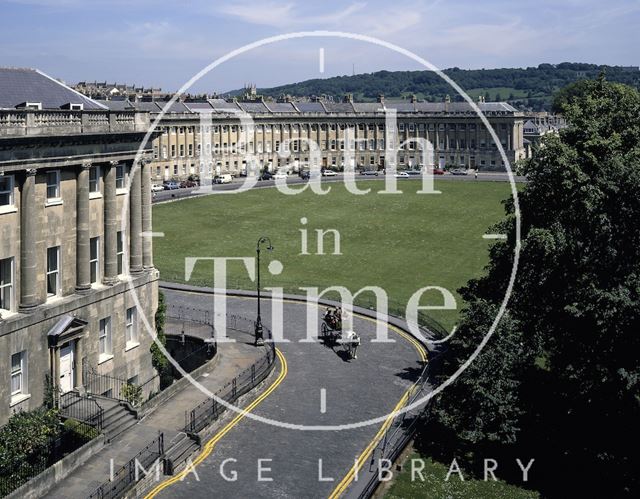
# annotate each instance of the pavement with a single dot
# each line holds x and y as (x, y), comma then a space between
(167, 418)
(319, 387)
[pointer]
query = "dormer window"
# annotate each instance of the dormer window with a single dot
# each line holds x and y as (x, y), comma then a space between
(30, 105)
(73, 107)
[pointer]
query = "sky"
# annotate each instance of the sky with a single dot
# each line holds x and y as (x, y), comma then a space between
(165, 43)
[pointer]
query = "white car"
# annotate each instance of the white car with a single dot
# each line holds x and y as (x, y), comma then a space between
(401, 175)
(279, 175)
(329, 173)
(156, 188)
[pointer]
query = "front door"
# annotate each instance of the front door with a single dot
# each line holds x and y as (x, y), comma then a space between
(66, 367)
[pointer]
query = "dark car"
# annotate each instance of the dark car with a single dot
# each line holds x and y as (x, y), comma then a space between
(438, 171)
(265, 176)
(188, 183)
(305, 174)
(170, 186)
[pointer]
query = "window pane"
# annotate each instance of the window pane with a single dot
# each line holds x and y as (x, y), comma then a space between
(52, 259)
(16, 362)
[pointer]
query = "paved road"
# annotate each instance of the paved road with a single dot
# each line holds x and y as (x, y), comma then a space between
(188, 192)
(368, 387)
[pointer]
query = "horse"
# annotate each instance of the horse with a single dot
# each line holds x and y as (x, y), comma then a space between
(350, 342)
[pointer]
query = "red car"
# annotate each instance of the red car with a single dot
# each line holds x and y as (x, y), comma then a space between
(438, 171)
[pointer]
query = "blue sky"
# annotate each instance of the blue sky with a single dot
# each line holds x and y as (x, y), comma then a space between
(164, 43)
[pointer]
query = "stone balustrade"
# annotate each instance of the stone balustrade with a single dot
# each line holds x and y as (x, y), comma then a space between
(32, 122)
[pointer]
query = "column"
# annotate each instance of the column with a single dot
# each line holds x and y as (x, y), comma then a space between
(147, 240)
(135, 222)
(83, 273)
(29, 228)
(110, 225)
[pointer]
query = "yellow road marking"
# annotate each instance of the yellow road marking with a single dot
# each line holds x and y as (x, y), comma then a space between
(366, 453)
(209, 446)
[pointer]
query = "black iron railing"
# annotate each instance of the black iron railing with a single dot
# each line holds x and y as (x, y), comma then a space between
(138, 467)
(211, 409)
(71, 436)
(81, 408)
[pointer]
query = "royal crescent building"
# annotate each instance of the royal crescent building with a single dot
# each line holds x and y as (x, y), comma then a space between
(457, 135)
(67, 261)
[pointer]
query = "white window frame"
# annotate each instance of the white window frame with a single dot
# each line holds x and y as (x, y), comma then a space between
(121, 180)
(58, 195)
(120, 252)
(19, 373)
(55, 272)
(8, 191)
(94, 262)
(94, 185)
(9, 285)
(131, 328)
(105, 346)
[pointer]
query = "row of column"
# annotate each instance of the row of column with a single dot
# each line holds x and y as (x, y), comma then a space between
(140, 224)
(32, 232)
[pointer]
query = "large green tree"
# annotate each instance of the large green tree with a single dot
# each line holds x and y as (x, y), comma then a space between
(561, 374)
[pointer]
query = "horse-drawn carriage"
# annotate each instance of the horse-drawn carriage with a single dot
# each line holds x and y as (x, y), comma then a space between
(332, 334)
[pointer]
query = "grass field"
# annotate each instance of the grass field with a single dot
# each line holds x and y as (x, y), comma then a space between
(399, 242)
(434, 485)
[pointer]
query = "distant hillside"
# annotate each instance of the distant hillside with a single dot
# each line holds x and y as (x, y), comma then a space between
(531, 88)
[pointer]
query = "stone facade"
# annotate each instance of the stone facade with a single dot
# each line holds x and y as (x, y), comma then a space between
(458, 136)
(66, 257)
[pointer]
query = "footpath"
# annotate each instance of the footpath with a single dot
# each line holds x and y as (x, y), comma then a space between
(168, 418)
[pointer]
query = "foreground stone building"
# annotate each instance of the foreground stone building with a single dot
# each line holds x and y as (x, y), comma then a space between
(65, 256)
(458, 136)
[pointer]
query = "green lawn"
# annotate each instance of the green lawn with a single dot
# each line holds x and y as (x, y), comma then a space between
(434, 485)
(399, 242)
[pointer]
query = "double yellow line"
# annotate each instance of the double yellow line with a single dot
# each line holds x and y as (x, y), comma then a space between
(366, 454)
(209, 446)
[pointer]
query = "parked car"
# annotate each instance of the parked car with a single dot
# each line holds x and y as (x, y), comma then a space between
(171, 185)
(329, 173)
(370, 172)
(280, 175)
(438, 171)
(156, 188)
(188, 183)
(459, 171)
(413, 172)
(265, 176)
(401, 175)
(225, 178)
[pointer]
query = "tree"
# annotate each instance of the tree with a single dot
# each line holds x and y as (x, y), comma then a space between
(575, 307)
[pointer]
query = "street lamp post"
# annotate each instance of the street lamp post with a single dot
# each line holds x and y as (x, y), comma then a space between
(259, 340)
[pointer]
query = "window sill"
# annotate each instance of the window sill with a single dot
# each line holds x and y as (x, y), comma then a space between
(17, 399)
(53, 202)
(95, 195)
(53, 299)
(121, 192)
(104, 358)
(131, 345)
(8, 209)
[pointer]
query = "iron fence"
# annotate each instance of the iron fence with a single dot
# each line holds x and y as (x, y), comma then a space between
(81, 408)
(211, 409)
(131, 473)
(71, 436)
(402, 428)
(363, 300)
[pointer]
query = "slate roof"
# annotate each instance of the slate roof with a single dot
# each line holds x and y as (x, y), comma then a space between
(20, 85)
